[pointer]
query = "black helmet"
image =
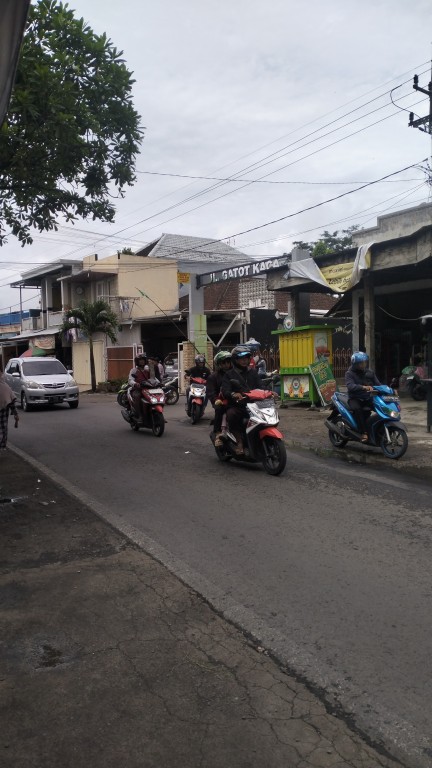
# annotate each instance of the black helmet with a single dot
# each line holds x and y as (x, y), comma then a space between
(240, 351)
(140, 357)
(200, 360)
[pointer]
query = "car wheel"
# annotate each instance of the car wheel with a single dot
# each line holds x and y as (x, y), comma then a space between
(24, 402)
(74, 404)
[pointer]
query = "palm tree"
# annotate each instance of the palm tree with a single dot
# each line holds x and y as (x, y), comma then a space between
(90, 318)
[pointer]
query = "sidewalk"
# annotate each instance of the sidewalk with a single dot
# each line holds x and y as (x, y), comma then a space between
(304, 428)
(108, 660)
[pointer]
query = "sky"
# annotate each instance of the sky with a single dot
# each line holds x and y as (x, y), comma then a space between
(285, 91)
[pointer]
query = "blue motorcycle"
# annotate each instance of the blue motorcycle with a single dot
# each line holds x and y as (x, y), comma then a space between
(384, 426)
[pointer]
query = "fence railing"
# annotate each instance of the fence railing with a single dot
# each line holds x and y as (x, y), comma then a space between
(341, 362)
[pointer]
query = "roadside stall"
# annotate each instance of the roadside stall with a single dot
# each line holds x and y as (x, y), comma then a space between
(306, 356)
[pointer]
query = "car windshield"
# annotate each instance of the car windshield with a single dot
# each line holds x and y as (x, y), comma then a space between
(43, 368)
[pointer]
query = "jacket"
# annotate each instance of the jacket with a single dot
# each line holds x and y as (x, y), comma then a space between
(247, 377)
(198, 373)
(140, 375)
(213, 387)
(355, 380)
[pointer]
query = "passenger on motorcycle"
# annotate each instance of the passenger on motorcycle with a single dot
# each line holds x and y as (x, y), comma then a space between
(257, 360)
(222, 364)
(198, 371)
(360, 381)
(146, 370)
(241, 378)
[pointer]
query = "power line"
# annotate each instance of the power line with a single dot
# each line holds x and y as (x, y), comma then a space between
(262, 181)
(259, 164)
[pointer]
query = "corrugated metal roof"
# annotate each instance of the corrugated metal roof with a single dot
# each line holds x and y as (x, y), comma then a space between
(194, 249)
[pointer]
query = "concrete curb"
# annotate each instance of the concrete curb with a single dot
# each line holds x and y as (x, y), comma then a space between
(372, 459)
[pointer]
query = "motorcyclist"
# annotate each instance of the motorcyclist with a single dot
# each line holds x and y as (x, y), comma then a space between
(198, 371)
(239, 379)
(222, 364)
(145, 370)
(360, 381)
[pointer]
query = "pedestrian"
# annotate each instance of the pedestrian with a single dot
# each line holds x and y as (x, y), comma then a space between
(7, 406)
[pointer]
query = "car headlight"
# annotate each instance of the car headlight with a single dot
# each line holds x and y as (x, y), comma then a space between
(34, 385)
(72, 383)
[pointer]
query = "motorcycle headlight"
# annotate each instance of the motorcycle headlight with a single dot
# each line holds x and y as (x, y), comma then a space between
(34, 385)
(153, 400)
(394, 414)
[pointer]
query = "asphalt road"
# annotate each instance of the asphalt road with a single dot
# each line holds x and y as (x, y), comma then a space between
(328, 565)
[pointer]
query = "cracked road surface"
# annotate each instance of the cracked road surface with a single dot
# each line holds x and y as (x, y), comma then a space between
(327, 566)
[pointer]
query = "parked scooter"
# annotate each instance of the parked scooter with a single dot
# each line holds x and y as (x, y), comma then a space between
(171, 390)
(196, 399)
(411, 379)
(151, 409)
(272, 381)
(416, 386)
(384, 427)
(263, 442)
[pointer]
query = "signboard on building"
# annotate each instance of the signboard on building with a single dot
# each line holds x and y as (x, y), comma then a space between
(324, 380)
(183, 278)
(253, 269)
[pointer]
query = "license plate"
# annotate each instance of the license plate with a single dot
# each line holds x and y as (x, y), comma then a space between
(55, 399)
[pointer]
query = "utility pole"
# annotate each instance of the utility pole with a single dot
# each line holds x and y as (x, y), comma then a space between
(422, 123)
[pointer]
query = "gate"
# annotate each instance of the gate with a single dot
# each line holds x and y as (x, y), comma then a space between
(120, 360)
(341, 362)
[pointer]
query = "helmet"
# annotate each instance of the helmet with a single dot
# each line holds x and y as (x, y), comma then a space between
(253, 345)
(241, 351)
(140, 357)
(200, 360)
(359, 357)
(221, 357)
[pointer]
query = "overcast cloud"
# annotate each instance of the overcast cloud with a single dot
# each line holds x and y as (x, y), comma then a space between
(218, 80)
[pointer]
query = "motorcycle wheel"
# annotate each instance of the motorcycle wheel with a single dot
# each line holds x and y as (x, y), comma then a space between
(158, 424)
(418, 392)
(122, 399)
(172, 397)
(398, 444)
(335, 439)
(196, 413)
(275, 457)
(223, 454)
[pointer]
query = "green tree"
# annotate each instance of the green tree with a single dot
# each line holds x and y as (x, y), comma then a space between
(329, 242)
(69, 142)
(91, 318)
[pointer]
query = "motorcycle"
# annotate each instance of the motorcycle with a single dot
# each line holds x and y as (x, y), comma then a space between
(416, 386)
(411, 380)
(272, 381)
(384, 427)
(263, 442)
(151, 410)
(171, 390)
(196, 399)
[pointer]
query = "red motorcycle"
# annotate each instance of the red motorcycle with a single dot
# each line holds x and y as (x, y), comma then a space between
(151, 414)
(196, 400)
(263, 442)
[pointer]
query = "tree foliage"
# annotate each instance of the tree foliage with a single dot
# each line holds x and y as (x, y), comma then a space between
(329, 242)
(72, 133)
(91, 318)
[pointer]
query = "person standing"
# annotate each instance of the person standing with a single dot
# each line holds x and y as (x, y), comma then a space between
(7, 406)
